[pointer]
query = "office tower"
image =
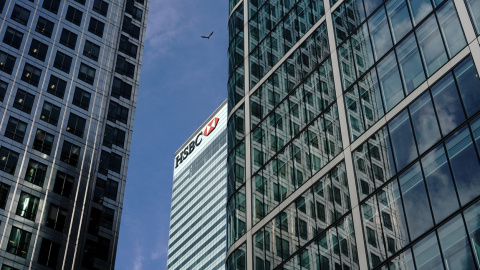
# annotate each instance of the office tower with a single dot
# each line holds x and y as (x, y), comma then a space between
(197, 218)
(69, 73)
(355, 134)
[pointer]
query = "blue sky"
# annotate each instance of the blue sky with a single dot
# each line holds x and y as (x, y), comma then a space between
(183, 80)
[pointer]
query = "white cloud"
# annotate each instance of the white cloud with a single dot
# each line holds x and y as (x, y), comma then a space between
(138, 258)
(160, 251)
(164, 25)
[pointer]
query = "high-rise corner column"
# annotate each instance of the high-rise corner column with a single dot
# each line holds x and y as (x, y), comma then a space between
(357, 222)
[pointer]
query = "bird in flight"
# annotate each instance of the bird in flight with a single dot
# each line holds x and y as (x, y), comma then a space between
(208, 35)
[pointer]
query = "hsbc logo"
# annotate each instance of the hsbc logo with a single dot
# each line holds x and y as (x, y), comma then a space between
(211, 126)
(194, 143)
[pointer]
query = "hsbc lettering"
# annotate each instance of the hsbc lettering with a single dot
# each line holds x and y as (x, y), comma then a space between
(194, 143)
(188, 150)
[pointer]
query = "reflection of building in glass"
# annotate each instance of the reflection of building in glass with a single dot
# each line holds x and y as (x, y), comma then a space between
(69, 75)
(197, 218)
(350, 142)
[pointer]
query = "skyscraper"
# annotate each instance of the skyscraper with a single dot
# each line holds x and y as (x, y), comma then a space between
(197, 218)
(359, 129)
(69, 73)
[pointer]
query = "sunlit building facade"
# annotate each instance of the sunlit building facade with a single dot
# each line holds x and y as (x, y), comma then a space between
(354, 134)
(69, 75)
(197, 237)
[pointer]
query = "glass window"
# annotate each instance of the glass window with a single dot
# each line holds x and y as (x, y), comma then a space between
(70, 153)
(474, 8)
(117, 112)
(417, 208)
(63, 184)
(411, 65)
(447, 104)
(113, 136)
(472, 218)
(19, 242)
(43, 142)
(121, 89)
(4, 191)
(31, 74)
(50, 113)
(76, 125)
(74, 15)
(7, 62)
(13, 38)
(455, 245)
(23, 101)
(441, 188)
(127, 47)
(101, 7)
(451, 28)
(69, 39)
(427, 253)
(430, 40)
(403, 142)
(3, 90)
(81, 98)
(57, 86)
(390, 81)
(467, 79)
(124, 67)
(44, 27)
(56, 218)
(380, 33)
(38, 50)
(20, 14)
(48, 254)
(36, 172)
(51, 5)
(91, 50)
(399, 18)
(63, 62)
(27, 206)
(15, 129)
(96, 27)
(465, 165)
(8, 160)
(419, 9)
(86, 74)
(130, 28)
(424, 122)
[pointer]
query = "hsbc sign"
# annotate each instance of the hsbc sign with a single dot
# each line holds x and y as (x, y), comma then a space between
(194, 143)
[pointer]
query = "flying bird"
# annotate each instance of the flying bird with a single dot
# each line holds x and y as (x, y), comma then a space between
(208, 35)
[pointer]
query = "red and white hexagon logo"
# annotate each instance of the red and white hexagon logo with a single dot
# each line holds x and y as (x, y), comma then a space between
(211, 126)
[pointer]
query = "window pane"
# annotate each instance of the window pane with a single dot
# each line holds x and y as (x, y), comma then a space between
(380, 32)
(431, 44)
(448, 104)
(469, 86)
(402, 140)
(415, 200)
(427, 253)
(419, 9)
(455, 245)
(472, 218)
(440, 184)
(465, 165)
(399, 18)
(424, 122)
(390, 81)
(451, 29)
(410, 64)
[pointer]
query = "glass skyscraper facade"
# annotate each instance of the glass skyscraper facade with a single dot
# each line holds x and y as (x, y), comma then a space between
(354, 134)
(69, 74)
(197, 237)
